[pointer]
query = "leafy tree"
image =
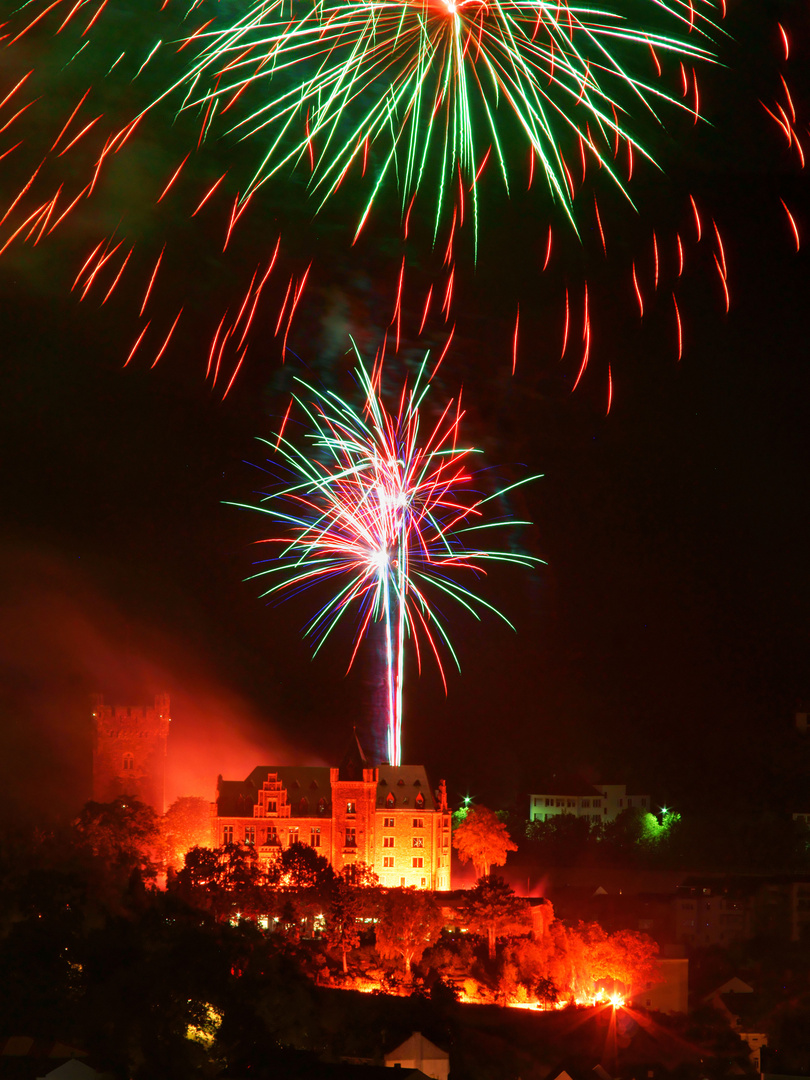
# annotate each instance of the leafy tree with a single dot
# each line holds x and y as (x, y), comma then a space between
(493, 910)
(122, 836)
(301, 867)
(223, 880)
(361, 875)
(185, 825)
(342, 922)
(482, 840)
(625, 957)
(410, 921)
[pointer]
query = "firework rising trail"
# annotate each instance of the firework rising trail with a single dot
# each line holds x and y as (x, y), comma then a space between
(432, 90)
(382, 513)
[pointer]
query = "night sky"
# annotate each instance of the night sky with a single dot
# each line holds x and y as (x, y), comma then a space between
(665, 644)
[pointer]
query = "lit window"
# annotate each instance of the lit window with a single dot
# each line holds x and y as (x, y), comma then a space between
(294, 834)
(388, 841)
(351, 837)
(388, 823)
(418, 823)
(389, 799)
(418, 862)
(424, 882)
(418, 841)
(250, 834)
(272, 834)
(315, 838)
(351, 808)
(419, 801)
(388, 860)
(227, 834)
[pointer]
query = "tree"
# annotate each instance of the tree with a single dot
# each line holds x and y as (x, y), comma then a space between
(122, 835)
(223, 880)
(482, 840)
(301, 867)
(492, 909)
(342, 926)
(185, 825)
(410, 921)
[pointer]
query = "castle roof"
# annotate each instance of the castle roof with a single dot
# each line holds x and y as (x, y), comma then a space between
(406, 783)
(236, 798)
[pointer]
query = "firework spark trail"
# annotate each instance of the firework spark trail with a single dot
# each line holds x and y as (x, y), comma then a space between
(381, 511)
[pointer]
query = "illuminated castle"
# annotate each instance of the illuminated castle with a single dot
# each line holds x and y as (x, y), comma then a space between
(384, 816)
(129, 751)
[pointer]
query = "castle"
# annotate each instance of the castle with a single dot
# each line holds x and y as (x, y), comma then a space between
(386, 817)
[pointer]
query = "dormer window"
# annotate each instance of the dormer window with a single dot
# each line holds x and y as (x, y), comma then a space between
(400, 782)
(389, 799)
(419, 801)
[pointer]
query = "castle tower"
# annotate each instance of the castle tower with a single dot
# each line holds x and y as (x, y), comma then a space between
(354, 800)
(129, 751)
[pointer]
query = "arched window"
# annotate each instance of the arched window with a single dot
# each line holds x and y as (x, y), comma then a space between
(303, 806)
(419, 801)
(389, 799)
(129, 762)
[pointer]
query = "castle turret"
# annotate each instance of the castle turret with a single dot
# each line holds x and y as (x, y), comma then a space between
(129, 751)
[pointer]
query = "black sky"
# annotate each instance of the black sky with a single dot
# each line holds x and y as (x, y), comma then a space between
(666, 641)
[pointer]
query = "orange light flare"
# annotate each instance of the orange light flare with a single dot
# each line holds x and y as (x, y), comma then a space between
(586, 338)
(151, 281)
(208, 194)
(92, 21)
(794, 227)
(679, 326)
(138, 340)
(599, 223)
(175, 174)
(298, 294)
(785, 40)
(548, 249)
(15, 88)
(34, 22)
(638, 293)
(70, 119)
(165, 344)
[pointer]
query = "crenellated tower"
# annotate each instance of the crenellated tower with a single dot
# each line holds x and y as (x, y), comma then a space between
(129, 751)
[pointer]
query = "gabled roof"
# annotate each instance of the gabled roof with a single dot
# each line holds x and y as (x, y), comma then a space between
(406, 783)
(417, 1048)
(236, 798)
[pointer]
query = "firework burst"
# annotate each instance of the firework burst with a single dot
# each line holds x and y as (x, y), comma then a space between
(428, 91)
(382, 511)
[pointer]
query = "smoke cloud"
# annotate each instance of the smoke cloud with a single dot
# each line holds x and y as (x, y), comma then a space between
(61, 639)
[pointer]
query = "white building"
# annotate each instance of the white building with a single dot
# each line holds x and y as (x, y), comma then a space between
(596, 802)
